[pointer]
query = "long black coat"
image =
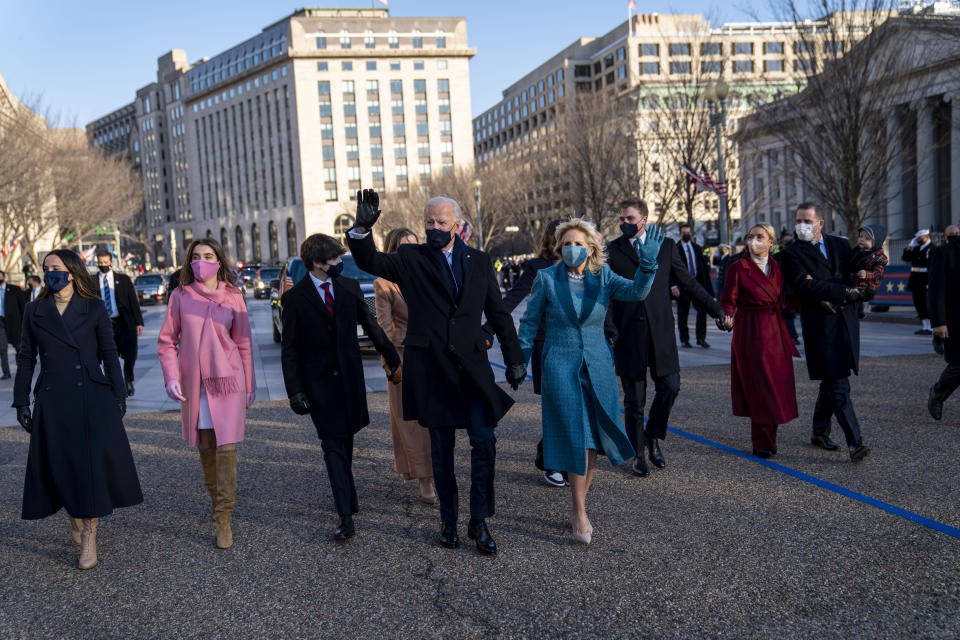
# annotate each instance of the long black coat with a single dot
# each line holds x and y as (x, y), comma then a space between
(445, 345)
(831, 341)
(703, 269)
(918, 258)
(320, 355)
(14, 303)
(944, 296)
(130, 315)
(79, 454)
(644, 331)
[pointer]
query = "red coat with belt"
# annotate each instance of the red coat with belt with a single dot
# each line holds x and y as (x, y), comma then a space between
(761, 354)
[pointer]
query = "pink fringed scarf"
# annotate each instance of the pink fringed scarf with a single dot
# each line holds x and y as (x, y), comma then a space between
(218, 375)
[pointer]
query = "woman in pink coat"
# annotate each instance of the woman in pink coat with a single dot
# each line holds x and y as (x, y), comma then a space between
(213, 376)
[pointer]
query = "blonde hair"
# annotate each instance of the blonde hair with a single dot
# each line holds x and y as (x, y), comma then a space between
(771, 234)
(596, 261)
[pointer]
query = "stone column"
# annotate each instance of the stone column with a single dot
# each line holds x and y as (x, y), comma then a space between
(954, 156)
(926, 185)
(894, 198)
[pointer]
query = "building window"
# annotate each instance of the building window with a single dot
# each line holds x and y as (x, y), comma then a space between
(418, 65)
(621, 74)
(273, 241)
(350, 131)
(803, 46)
(331, 195)
(329, 153)
(344, 39)
(350, 108)
(375, 131)
(711, 66)
(377, 172)
(441, 39)
(373, 108)
(373, 86)
(579, 71)
(711, 49)
(330, 173)
(353, 152)
(743, 66)
(396, 86)
(354, 174)
(291, 237)
(326, 130)
(443, 85)
(376, 151)
(649, 50)
(224, 239)
(401, 172)
(423, 149)
(346, 65)
(371, 65)
(341, 225)
(622, 53)
(443, 105)
(607, 63)
(773, 65)
(424, 171)
(396, 107)
(420, 106)
(392, 40)
(368, 40)
(326, 109)
(772, 48)
(241, 248)
(417, 39)
(803, 64)
(394, 66)
(347, 86)
(743, 48)
(420, 86)
(321, 66)
(398, 130)
(679, 49)
(423, 128)
(446, 149)
(400, 150)
(321, 41)
(679, 67)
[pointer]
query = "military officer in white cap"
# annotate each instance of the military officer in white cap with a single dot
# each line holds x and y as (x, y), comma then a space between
(917, 255)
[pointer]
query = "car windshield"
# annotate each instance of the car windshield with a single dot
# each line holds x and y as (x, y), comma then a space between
(351, 270)
(269, 274)
(151, 279)
(248, 272)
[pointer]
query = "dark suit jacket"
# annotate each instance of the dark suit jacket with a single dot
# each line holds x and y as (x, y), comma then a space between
(320, 355)
(445, 352)
(14, 303)
(944, 296)
(703, 269)
(644, 331)
(831, 341)
(130, 315)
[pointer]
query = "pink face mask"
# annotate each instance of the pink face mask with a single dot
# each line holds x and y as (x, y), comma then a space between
(203, 270)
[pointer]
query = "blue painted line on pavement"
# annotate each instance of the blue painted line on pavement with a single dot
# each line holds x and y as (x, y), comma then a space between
(823, 484)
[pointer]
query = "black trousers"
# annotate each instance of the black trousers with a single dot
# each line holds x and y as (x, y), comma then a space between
(338, 456)
(919, 294)
(126, 341)
(948, 382)
(666, 389)
(683, 312)
(790, 319)
(4, 344)
(834, 400)
(483, 456)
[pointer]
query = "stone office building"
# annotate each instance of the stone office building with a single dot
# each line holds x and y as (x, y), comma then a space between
(269, 140)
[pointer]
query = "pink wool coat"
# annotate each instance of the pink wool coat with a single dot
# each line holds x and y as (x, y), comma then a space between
(181, 329)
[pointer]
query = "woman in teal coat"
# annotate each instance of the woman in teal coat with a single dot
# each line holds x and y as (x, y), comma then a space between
(580, 399)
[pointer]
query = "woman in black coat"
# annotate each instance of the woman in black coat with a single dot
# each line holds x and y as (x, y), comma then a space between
(79, 456)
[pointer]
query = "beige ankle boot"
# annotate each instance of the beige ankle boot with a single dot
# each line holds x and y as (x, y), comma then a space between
(226, 496)
(88, 544)
(208, 460)
(76, 526)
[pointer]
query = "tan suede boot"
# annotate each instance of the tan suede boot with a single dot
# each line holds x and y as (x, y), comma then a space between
(226, 496)
(208, 460)
(76, 526)
(88, 544)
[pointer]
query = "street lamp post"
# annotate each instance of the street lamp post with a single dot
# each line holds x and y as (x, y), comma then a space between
(476, 200)
(716, 95)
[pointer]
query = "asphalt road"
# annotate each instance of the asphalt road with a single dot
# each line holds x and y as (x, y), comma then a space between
(714, 546)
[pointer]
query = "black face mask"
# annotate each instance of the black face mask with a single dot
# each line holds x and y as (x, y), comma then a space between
(56, 280)
(104, 268)
(629, 229)
(953, 238)
(437, 239)
(686, 237)
(334, 270)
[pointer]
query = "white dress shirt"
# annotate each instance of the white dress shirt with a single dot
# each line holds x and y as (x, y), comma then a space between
(318, 283)
(106, 280)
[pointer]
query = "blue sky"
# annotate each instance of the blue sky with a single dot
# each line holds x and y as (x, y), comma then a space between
(82, 59)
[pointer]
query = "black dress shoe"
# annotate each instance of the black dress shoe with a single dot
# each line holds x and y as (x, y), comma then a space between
(763, 453)
(923, 332)
(935, 405)
(448, 535)
(703, 343)
(858, 453)
(477, 530)
(653, 446)
(130, 389)
(938, 346)
(346, 530)
(686, 344)
(824, 442)
(639, 466)
(5, 376)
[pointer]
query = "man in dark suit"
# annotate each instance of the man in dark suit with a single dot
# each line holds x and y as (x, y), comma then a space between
(12, 302)
(816, 267)
(642, 333)
(691, 254)
(449, 384)
(120, 298)
(322, 369)
(943, 296)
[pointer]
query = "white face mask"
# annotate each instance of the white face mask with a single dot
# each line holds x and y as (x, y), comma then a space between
(804, 231)
(757, 246)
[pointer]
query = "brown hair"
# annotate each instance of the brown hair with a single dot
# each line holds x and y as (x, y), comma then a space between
(318, 248)
(224, 273)
(83, 283)
(392, 241)
(637, 203)
(548, 244)
(817, 209)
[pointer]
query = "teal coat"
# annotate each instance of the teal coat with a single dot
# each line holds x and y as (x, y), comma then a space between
(573, 342)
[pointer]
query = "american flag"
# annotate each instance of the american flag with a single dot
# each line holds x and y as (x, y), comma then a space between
(696, 179)
(704, 181)
(8, 247)
(466, 232)
(632, 5)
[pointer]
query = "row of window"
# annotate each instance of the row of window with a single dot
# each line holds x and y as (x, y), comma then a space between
(536, 89)
(236, 62)
(716, 66)
(735, 48)
(373, 86)
(393, 39)
(371, 65)
(238, 90)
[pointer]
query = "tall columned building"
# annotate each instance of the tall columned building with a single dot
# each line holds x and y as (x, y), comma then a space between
(268, 141)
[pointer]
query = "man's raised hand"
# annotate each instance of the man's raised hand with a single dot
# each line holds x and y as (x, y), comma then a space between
(368, 209)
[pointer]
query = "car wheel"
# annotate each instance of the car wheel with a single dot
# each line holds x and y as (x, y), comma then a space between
(276, 334)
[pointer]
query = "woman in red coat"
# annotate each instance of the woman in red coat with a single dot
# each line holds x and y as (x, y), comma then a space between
(761, 354)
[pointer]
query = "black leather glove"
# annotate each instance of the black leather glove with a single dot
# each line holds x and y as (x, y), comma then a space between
(300, 404)
(24, 418)
(396, 375)
(368, 208)
(122, 403)
(516, 374)
(853, 295)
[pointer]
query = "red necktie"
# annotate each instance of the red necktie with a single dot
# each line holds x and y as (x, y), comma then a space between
(690, 263)
(327, 297)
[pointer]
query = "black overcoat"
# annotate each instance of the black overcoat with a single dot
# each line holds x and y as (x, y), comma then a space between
(918, 258)
(831, 341)
(703, 269)
(14, 303)
(79, 455)
(320, 355)
(644, 332)
(944, 296)
(130, 315)
(445, 348)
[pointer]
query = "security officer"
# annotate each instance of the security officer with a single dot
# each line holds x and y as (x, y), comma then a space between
(917, 255)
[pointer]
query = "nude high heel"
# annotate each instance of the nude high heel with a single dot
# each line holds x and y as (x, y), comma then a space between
(583, 537)
(76, 527)
(88, 544)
